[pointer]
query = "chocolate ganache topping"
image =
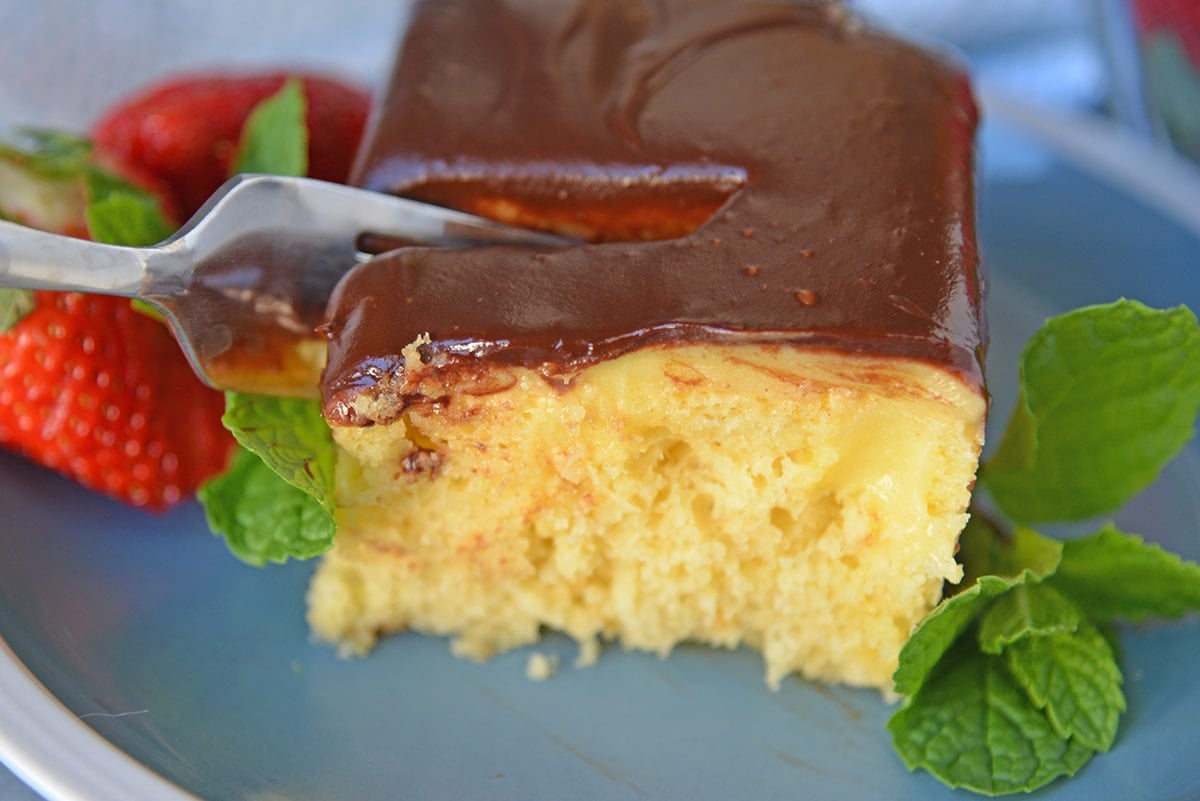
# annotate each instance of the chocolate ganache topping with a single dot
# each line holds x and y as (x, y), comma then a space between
(744, 171)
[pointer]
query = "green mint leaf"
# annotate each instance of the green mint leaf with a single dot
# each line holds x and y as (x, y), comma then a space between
(293, 473)
(293, 443)
(262, 517)
(1114, 575)
(1029, 610)
(275, 136)
(983, 551)
(1074, 677)
(290, 436)
(938, 632)
(975, 727)
(14, 305)
(1028, 558)
(1108, 395)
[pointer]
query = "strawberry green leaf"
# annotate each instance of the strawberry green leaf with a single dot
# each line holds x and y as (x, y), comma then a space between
(975, 727)
(41, 183)
(14, 305)
(262, 517)
(117, 212)
(1029, 610)
(1114, 575)
(1074, 677)
(126, 217)
(1108, 395)
(46, 153)
(50, 180)
(275, 136)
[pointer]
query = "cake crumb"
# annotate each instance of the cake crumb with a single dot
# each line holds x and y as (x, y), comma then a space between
(589, 653)
(541, 666)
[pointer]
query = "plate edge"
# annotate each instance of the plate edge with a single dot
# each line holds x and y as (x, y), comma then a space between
(98, 771)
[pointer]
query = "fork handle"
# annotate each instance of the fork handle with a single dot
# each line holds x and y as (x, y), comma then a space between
(33, 259)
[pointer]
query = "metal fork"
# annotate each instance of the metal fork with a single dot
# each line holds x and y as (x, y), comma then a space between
(244, 283)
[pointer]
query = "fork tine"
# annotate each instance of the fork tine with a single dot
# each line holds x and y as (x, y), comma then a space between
(386, 215)
(266, 252)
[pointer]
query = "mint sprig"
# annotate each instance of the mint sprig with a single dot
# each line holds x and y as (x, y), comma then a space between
(1039, 653)
(1074, 678)
(1029, 611)
(276, 500)
(1026, 559)
(974, 727)
(1014, 681)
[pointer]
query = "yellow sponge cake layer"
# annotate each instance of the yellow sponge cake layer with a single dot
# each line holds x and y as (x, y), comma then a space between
(801, 501)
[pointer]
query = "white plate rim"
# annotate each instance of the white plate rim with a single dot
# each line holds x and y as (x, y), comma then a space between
(1159, 178)
(37, 730)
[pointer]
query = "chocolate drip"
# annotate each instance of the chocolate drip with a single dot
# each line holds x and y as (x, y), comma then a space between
(813, 180)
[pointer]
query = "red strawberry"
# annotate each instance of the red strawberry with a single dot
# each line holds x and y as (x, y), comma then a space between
(186, 131)
(88, 386)
(1167, 13)
(1177, 18)
(101, 393)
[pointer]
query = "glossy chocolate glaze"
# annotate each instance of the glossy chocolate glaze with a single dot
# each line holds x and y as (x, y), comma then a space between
(836, 165)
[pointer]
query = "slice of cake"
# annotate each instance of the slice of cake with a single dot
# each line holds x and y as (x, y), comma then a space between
(749, 410)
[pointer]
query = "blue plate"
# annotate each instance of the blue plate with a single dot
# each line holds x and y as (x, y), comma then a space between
(170, 670)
